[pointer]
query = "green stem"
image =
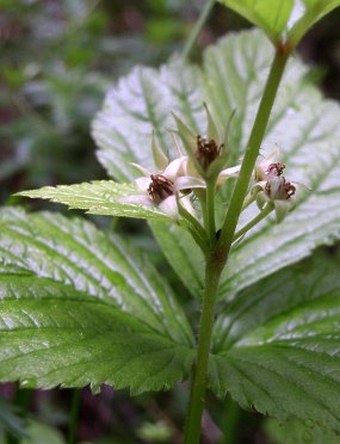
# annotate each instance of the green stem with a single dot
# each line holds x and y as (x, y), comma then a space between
(198, 388)
(232, 416)
(217, 257)
(268, 209)
(253, 147)
(197, 28)
(74, 414)
(249, 199)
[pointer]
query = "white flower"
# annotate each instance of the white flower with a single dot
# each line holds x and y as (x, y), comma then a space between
(174, 181)
(208, 154)
(164, 188)
(271, 186)
(279, 192)
(269, 166)
(227, 173)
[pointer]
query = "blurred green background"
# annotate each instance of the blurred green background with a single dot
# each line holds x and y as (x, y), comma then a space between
(58, 57)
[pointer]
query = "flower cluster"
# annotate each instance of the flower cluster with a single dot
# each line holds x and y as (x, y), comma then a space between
(201, 161)
(175, 182)
(207, 151)
(164, 188)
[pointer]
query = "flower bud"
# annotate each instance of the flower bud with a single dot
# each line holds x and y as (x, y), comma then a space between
(160, 159)
(206, 152)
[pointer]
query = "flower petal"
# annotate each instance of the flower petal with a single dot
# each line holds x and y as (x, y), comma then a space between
(176, 168)
(188, 182)
(169, 207)
(227, 173)
(274, 156)
(136, 199)
(185, 201)
(263, 162)
(143, 183)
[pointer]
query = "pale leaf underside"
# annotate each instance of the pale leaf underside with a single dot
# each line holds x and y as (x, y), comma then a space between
(304, 126)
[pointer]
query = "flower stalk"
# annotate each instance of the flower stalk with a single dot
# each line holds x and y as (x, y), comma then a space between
(262, 215)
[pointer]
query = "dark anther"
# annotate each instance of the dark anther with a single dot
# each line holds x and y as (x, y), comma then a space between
(160, 188)
(207, 151)
(268, 187)
(290, 189)
(279, 188)
(275, 169)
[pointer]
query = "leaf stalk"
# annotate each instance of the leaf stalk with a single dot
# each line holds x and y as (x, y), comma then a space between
(260, 216)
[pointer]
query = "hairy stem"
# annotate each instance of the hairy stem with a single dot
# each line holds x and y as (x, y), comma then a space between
(197, 395)
(197, 28)
(253, 147)
(216, 257)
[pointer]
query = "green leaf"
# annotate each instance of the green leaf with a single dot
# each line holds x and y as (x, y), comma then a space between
(270, 15)
(63, 337)
(314, 10)
(304, 125)
(73, 252)
(78, 306)
(184, 255)
(283, 20)
(277, 345)
(297, 432)
(104, 197)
